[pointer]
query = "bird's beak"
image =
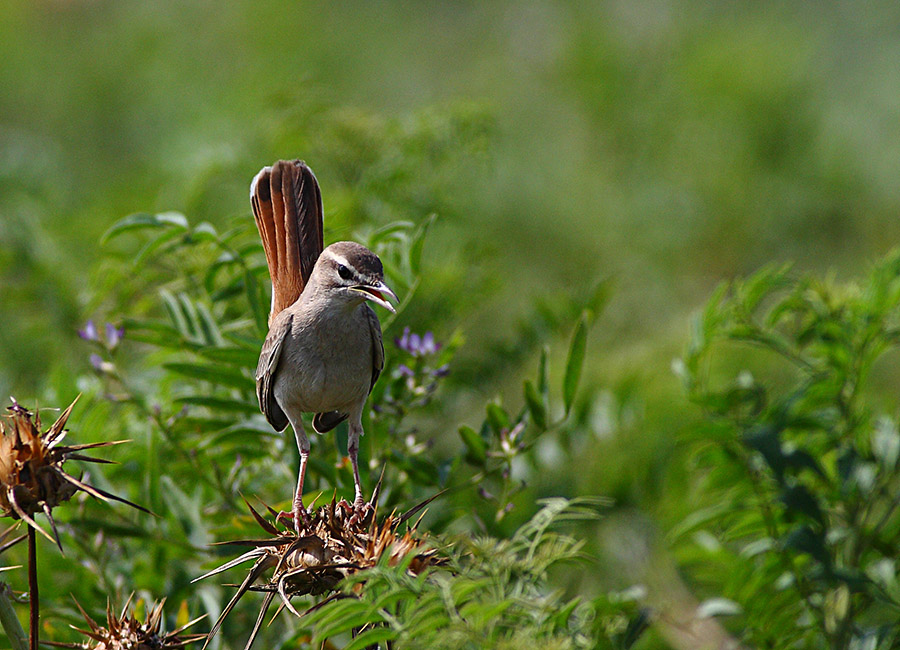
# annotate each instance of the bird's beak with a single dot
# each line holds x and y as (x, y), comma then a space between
(376, 293)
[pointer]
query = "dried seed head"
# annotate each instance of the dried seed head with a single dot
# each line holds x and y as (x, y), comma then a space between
(30, 468)
(334, 545)
(126, 632)
(32, 479)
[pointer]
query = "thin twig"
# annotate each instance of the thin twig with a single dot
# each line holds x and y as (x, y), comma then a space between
(33, 599)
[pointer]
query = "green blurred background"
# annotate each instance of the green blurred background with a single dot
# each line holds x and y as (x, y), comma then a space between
(666, 146)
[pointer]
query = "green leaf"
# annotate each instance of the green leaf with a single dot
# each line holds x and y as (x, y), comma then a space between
(156, 333)
(224, 261)
(846, 463)
(497, 417)
(561, 617)
(415, 251)
(766, 439)
(249, 438)
(220, 404)
(155, 244)
(343, 615)
(544, 375)
(422, 471)
(800, 459)
(371, 637)
(208, 326)
(886, 443)
(598, 299)
(204, 231)
(475, 445)
(428, 615)
(232, 289)
(389, 599)
(768, 279)
(806, 540)
(717, 607)
(233, 355)
(249, 342)
(535, 405)
(636, 628)
(86, 525)
(483, 612)
(575, 361)
(799, 499)
(260, 314)
(189, 309)
(213, 374)
(143, 220)
(176, 315)
(389, 230)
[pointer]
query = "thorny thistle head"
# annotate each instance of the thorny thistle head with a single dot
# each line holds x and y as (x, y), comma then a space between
(126, 632)
(334, 545)
(32, 479)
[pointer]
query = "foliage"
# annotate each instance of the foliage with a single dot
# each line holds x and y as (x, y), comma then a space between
(494, 596)
(803, 464)
(207, 348)
(176, 374)
(666, 145)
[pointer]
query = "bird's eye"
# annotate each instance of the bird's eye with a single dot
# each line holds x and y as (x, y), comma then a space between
(344, 272)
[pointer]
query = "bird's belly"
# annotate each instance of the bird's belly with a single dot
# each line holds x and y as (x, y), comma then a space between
(318, 379)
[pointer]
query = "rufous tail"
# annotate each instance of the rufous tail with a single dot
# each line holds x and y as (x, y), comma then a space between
(287, 205)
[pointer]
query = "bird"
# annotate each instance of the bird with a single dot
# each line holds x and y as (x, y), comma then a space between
(323, 352)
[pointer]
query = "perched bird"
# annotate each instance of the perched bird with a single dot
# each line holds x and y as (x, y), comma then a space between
(323, 352)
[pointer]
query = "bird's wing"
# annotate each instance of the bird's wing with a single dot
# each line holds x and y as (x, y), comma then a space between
(377, 345)
(287, 206)
(265, 372)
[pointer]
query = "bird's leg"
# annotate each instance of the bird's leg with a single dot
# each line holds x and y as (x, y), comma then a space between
(298, 510)
(360, 507)
(353, 451)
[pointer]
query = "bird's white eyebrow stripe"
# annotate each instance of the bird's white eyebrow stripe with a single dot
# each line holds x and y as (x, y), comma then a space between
(340, 259)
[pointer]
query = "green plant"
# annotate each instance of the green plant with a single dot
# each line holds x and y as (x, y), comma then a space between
(204, 343)
(803, 464)
(173, 370)
(493, 594)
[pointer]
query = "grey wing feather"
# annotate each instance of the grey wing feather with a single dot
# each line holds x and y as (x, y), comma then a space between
(269, 357)
(377, 345)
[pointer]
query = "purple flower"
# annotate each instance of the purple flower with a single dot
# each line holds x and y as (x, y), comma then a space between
(97, 362)
(429, 346)
(417, 346)
(443, 371)
(405, 370)
(114, 335)
(89, 333)
(402, 341)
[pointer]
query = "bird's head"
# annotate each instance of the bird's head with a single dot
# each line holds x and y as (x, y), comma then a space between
(352, 271)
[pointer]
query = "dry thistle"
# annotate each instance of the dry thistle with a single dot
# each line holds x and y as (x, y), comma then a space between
(32, 479)
(5, 545)
(126, 632)
(334, 546)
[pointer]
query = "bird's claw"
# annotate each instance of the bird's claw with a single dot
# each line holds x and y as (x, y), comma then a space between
(361, 512)
(282, 517)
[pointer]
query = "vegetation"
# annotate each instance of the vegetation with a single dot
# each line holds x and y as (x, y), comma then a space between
(556, 191)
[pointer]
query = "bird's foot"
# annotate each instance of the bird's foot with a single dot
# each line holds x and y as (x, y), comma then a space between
(297, 515)
(362, 512)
